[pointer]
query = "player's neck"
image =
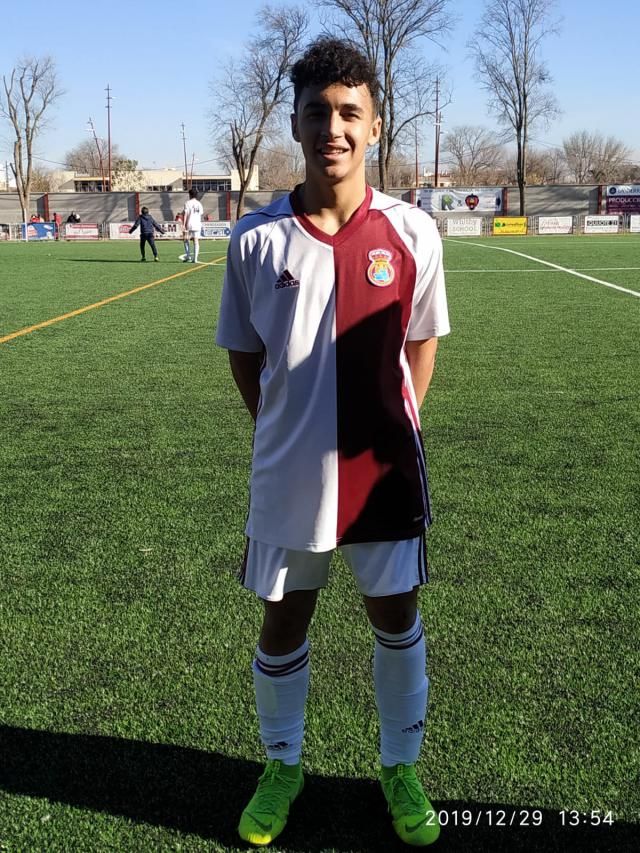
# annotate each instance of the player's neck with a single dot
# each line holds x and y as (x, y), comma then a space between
(330, 206)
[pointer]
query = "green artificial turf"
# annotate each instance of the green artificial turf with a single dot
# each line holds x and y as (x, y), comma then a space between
(127, 717)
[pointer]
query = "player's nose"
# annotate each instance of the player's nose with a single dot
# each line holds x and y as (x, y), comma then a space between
(333, 127)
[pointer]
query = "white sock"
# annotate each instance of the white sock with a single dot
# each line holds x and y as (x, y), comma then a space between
(186, 248)
(196, 249)
(282, 684)
(402, 688)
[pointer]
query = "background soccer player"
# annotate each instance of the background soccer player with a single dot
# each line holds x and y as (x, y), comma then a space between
(193, 212)
(148, 227)
(332, 305)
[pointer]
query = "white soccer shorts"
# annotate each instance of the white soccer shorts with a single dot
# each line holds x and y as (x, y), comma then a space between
(379, 568)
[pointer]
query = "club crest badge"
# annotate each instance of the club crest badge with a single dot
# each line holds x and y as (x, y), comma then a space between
(380, 272)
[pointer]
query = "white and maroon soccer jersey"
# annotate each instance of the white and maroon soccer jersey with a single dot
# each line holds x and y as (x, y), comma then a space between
(337, 454)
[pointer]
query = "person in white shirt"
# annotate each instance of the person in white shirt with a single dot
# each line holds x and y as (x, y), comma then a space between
(193, 213)
(333, 303)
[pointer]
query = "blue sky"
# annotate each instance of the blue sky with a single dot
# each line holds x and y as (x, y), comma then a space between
(160, 67)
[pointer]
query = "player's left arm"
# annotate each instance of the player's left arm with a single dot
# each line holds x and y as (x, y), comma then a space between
(421, 356)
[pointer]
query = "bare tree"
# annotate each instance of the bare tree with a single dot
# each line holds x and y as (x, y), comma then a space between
(506, 46)
(544, 167)
(591, 157)
(85, 159)
(475, 153)
(390, 31)
(281, 165)
(42, 180)
(29, 91)
(252, 90)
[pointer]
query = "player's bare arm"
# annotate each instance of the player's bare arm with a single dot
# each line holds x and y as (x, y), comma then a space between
(421, 356)
(245, 368)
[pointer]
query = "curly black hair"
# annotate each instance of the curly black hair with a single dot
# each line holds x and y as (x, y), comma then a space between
(329, 60)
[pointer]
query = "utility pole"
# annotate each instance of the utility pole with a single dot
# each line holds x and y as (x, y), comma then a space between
(184, 150)
(435, 176)
(93, 130)
(6, 175)
(415, 127)
(109, 99)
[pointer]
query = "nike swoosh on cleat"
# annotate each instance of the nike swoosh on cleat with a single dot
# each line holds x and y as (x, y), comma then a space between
(265, 827)
(417, 826)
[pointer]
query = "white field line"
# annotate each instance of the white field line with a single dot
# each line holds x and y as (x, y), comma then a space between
(548, 264)
(531, 269)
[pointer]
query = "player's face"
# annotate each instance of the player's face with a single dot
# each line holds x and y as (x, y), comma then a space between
(335, 125)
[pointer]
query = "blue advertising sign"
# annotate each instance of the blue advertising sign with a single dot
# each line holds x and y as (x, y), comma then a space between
(38, 231)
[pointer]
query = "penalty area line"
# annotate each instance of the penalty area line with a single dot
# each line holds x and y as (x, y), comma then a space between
(548, 264)
(28, 329)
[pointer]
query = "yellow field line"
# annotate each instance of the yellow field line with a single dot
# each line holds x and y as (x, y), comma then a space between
(102, 302)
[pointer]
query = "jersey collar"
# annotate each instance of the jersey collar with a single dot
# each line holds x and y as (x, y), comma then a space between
(352, 224)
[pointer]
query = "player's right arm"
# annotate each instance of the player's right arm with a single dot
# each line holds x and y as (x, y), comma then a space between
(245, 369)
(134, 226)
(236, 332)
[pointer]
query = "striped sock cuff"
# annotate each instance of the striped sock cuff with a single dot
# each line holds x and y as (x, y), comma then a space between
(278, 665)
(401, 641)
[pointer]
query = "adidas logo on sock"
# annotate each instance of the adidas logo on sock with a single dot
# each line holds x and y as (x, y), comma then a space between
(286, 280)
(415, 729)
(280, 745)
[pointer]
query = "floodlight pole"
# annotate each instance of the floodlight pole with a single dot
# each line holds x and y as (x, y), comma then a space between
(109, 99)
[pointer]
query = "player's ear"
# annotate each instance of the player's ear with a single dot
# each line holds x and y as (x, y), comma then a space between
(374, 133)
(294, 127)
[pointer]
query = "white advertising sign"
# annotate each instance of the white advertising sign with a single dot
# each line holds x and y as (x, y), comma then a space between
(634, 224)
(463, 226)
(173, 229)
(555, 224)
(120, 231)
(81, 231)
(460, 200)
(623, 189)
(601, 224)
(215, 230)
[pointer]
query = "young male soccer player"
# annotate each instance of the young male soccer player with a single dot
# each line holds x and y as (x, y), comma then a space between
(148, 227)
(332, 305)
(192, 224)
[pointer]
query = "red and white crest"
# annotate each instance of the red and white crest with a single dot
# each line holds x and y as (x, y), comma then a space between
(380, 272)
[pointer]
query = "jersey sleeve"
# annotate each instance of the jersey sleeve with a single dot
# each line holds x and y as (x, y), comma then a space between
(235, 331)
(429, 312)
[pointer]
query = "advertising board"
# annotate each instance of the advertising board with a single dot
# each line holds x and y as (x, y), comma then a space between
(509, 225)
(38, 231)
(555, 224)
(215, 230)
(623, 198)
(463, 226)
(81, 231)
(601, 224)
(460, 200)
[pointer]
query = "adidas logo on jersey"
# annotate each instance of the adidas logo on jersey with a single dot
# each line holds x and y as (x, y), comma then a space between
(415, 729)
(286, 280)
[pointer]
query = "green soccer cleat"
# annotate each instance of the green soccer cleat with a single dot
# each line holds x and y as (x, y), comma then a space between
(266, 814)
(414, 818)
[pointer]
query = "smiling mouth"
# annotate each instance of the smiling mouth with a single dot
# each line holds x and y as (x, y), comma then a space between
(332, 152)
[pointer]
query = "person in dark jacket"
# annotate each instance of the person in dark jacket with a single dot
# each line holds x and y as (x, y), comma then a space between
(148, 227)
